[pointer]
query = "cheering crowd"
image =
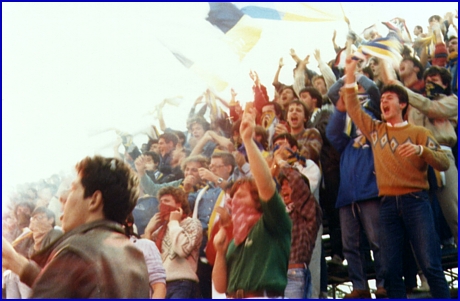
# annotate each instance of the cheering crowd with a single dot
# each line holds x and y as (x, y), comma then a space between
(234, 206)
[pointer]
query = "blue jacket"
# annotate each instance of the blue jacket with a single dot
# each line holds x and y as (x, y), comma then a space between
(357, 174)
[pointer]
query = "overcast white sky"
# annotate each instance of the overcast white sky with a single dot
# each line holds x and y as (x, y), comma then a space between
(70, 70)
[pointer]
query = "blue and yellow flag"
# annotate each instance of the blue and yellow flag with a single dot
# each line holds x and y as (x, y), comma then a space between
(211, 79)
(388, 48)
(241, 32)
(295, 11)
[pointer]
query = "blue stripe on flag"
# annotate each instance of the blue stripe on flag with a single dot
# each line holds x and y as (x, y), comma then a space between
(224, 15)
(262, 12)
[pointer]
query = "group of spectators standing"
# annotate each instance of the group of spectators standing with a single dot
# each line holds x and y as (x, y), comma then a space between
(234, 206)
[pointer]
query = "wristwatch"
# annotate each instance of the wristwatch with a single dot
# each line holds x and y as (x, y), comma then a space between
(220, 180)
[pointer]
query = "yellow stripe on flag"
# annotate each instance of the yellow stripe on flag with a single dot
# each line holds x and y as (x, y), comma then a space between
(243, 36)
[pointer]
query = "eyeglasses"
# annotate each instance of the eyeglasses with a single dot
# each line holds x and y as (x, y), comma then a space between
(215, 166)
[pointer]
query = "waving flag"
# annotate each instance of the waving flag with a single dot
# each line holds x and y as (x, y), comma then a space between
(241, 32)
(398, 26)
(211, 79)
(297, 11)
(388, 48)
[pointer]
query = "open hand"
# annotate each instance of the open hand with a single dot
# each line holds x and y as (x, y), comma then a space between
(248, 124)
(140, 163)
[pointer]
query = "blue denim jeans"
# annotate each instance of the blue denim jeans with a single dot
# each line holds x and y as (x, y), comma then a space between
(410, 216)
(181, 289)
(354, 218)
(298, 285)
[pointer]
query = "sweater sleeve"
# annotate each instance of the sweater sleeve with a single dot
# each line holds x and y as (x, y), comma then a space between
(299, 81)
(326, 71)
(186, 236)
(260, 97)
(152, 188)
(440, 55)
(362, 120)
(154, 263)
(433, 155)
(445, 107)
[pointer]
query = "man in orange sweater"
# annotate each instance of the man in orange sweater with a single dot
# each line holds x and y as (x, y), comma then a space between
(402, 153)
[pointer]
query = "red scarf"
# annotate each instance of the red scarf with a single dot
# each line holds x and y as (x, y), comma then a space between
(244, 218)
(165, 211)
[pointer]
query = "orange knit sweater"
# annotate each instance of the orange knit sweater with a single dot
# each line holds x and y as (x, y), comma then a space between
(397, 175)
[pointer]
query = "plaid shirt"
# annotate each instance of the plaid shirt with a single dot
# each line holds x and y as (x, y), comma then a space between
(306, 216)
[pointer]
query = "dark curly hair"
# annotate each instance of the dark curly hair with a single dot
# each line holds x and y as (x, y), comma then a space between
(116, 181)
(178, 195)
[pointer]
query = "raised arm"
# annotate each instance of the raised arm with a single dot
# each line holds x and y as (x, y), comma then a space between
(260, 92)
(276, 81)
(336, 47)
(294, 56)
(440, 52)
(198, 149)
(259, 167)
(361, 119)
(445, 107)
(147, 185)
(326, 71)
(371, 89)
(197, 101)
(222, 141)
(299, 75)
